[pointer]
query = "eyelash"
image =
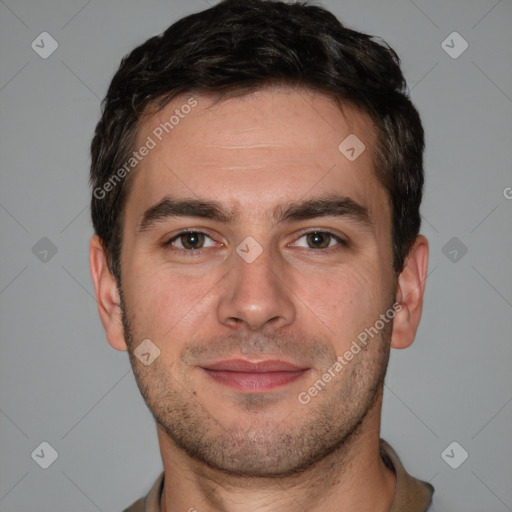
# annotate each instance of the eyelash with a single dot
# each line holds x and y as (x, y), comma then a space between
(197, 252)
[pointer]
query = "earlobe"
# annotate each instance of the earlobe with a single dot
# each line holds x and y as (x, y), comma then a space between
(107, 295)
(409, 294)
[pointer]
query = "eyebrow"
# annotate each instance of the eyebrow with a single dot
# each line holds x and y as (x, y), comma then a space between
(324, 206)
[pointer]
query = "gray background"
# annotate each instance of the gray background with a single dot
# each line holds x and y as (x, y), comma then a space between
(63, 384)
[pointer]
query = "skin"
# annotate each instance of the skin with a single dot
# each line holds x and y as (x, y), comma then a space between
(228, 450)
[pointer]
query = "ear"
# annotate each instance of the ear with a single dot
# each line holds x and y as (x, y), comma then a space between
(409, 294)
(107, 295)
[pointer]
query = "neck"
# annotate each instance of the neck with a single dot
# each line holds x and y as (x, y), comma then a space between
(353, 477)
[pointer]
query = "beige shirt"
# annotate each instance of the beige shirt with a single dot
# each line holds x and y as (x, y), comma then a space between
(411, 494)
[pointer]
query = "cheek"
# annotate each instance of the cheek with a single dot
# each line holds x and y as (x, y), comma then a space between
(345, 302)
(163, 301)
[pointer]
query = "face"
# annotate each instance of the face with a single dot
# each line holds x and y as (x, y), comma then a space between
(254, 255)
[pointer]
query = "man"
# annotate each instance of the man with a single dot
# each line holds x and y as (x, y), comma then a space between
(257, 176)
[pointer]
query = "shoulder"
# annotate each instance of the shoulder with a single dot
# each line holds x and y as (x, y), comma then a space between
(150, 502)
(411, 494)
(137, 506)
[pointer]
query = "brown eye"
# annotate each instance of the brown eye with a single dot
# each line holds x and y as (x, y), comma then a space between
(318, 240)
(189, 240)
(192, 240)
(322, 240)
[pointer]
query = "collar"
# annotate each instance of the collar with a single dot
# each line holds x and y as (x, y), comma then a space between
(411, 494)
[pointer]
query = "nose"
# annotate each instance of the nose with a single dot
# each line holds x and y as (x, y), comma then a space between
(256, 295)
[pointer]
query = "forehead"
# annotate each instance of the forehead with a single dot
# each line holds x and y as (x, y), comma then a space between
(255, 151)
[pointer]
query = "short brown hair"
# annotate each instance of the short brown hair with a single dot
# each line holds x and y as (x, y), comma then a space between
(239, 46)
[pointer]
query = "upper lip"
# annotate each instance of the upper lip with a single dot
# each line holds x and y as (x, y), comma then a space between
(243, 365)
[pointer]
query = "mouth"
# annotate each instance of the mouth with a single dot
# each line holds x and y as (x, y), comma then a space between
(249, 376)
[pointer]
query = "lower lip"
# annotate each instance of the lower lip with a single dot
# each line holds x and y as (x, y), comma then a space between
(244, 381)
